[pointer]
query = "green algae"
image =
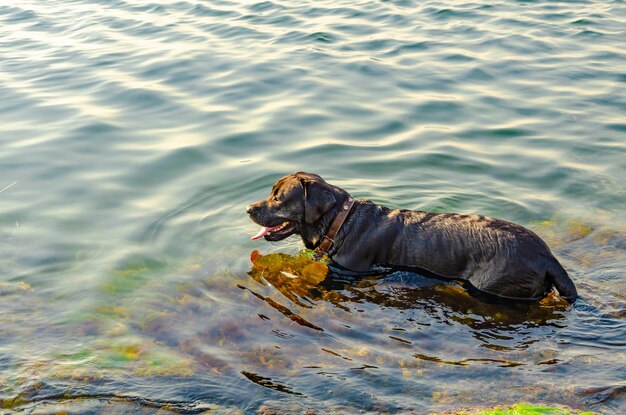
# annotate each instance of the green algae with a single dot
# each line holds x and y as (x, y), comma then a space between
(132, 274)
(558, 231)
(524, 408)
(14, 402)
(294, 276)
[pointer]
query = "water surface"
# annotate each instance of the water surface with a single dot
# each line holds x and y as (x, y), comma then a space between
(133, 134)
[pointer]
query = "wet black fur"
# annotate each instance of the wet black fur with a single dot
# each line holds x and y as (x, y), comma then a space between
(493, 255)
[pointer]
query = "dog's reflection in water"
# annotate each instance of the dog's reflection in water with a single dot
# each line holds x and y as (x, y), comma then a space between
(305, 281)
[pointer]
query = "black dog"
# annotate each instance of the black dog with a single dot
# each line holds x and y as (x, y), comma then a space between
(495, 256)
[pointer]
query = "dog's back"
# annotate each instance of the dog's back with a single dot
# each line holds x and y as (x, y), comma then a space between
(495, 256)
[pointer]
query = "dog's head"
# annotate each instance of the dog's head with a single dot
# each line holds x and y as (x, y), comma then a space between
(297, 201)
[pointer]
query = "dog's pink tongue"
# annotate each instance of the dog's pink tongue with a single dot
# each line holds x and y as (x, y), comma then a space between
(262, 232)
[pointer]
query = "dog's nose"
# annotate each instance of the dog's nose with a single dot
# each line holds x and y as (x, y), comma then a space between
(248, 208)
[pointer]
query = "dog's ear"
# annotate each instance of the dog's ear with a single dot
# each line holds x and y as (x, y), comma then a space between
(318, 199)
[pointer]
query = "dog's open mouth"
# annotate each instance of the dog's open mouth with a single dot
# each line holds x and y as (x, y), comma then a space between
(276, 233)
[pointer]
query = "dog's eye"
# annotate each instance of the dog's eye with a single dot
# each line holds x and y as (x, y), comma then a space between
(276, 199)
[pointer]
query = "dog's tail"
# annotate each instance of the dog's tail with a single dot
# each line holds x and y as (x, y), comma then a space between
(563, 283)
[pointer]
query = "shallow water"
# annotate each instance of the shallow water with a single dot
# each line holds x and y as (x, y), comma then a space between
(133, 134)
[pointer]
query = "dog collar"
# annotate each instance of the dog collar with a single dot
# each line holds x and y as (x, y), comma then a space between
(329, 239)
